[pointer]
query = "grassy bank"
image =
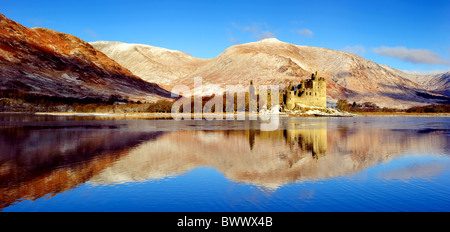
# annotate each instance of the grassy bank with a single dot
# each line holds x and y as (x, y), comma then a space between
(400, 114)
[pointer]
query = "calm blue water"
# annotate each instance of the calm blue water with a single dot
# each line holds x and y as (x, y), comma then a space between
(309, 164)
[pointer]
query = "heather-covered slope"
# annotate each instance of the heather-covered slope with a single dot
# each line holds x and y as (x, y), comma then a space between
(45, 62)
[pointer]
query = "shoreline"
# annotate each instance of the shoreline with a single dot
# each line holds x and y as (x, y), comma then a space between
(402, 114)
(224, 115)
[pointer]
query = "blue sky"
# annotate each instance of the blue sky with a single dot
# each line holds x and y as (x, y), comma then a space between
(407, 35)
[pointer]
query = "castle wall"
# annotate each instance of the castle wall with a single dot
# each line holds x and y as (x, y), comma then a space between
(310, 92)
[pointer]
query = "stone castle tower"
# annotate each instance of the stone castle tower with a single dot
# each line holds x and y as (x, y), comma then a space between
(311, 92)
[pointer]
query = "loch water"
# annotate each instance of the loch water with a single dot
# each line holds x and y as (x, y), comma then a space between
(103, 164)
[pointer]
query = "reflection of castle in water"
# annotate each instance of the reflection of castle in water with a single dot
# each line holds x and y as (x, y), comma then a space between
(313, 139)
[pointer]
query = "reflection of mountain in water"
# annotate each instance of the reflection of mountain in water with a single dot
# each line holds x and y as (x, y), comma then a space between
(294, 153)
(39, 160)
(49, 157)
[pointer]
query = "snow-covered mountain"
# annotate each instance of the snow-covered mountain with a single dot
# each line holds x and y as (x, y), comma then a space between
(438, 83)
(272, 62)
(46, 62)
(153, 64)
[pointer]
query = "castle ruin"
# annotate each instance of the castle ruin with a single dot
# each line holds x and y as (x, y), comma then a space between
(310, 92)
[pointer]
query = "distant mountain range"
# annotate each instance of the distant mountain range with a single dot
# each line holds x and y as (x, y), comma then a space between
(46, 62)
(270, 61)
(438, 83)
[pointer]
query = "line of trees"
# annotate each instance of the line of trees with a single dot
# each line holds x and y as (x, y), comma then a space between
(344, 105)
(430, 109)
(22, 101)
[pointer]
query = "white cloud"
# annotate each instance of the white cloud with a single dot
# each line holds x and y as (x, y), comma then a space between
(91, 33)
(259, 30)
(358, 50)
(265, 35)
(305, 32)
(415, 56)
(232, 39)
(39, 22)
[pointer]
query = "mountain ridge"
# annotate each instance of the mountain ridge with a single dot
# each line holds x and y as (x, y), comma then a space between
(45, 62)
(146, 61)
(273, 62)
